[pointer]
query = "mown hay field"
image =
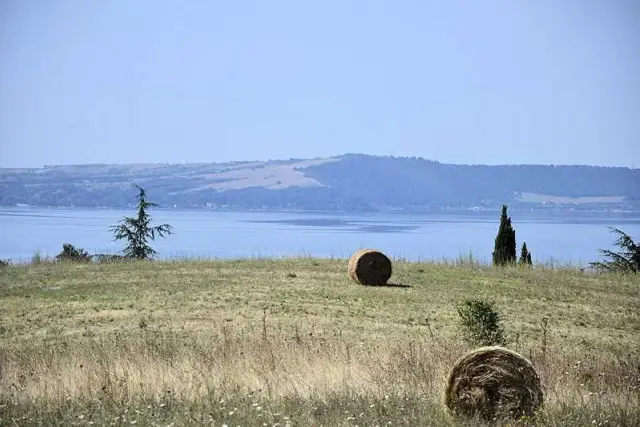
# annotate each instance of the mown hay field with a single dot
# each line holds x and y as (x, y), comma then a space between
(296, 342)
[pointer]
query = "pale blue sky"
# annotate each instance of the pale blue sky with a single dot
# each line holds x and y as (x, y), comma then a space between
(493, 82)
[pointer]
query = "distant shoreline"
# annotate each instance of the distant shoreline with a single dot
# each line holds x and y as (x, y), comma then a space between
(546, 211)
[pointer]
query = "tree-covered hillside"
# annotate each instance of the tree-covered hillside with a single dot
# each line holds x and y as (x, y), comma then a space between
(415, 181)
(356, 183)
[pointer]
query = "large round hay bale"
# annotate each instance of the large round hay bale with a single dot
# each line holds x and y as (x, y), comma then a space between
(370, 267)
(493, 383)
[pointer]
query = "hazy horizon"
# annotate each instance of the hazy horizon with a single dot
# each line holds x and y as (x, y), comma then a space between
(458, 82)
(309, 158)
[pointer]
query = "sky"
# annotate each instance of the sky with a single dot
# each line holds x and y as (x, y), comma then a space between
(470, 82)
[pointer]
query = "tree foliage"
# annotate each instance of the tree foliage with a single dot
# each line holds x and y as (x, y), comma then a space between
(525, 255)
(138, 231)
(627, 259)
(504, 250)
(481, 322)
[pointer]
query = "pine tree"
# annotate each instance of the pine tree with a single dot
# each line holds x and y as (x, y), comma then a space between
(525, 255)
(626, 260)
(504, 250)
(138, 231)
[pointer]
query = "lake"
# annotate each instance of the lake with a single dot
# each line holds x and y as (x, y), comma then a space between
(563, 238)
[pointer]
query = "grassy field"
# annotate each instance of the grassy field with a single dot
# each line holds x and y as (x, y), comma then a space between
(294, 342)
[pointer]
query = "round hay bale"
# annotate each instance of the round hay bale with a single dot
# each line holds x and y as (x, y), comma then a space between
(493, 383)
(369, 267)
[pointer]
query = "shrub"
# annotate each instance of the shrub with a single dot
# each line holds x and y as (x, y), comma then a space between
(72, 254)
(481, 323)
(36, 258)
(107, 258)
(5, 263)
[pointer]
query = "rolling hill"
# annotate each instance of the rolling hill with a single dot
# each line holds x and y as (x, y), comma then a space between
(352, 182)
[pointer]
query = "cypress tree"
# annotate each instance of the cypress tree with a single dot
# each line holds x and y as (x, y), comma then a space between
(504, 250)
(525, 255)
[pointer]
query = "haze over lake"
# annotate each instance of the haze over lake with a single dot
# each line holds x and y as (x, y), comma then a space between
(210, 234)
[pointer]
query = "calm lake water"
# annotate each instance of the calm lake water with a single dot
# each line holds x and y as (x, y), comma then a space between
(564, 239)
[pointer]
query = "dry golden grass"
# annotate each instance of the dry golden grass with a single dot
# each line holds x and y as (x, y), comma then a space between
(249, 343)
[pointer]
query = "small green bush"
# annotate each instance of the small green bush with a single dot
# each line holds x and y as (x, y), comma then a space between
(36, 258)
(108, 258)
(73, 254)
(481, 323)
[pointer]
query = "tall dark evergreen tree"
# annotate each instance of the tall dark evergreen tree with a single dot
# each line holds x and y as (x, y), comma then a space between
(138, 231)
(525, 255)
(504, 250)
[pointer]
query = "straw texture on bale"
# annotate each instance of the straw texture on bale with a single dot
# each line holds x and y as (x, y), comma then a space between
(493, 383)
(370, 267)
